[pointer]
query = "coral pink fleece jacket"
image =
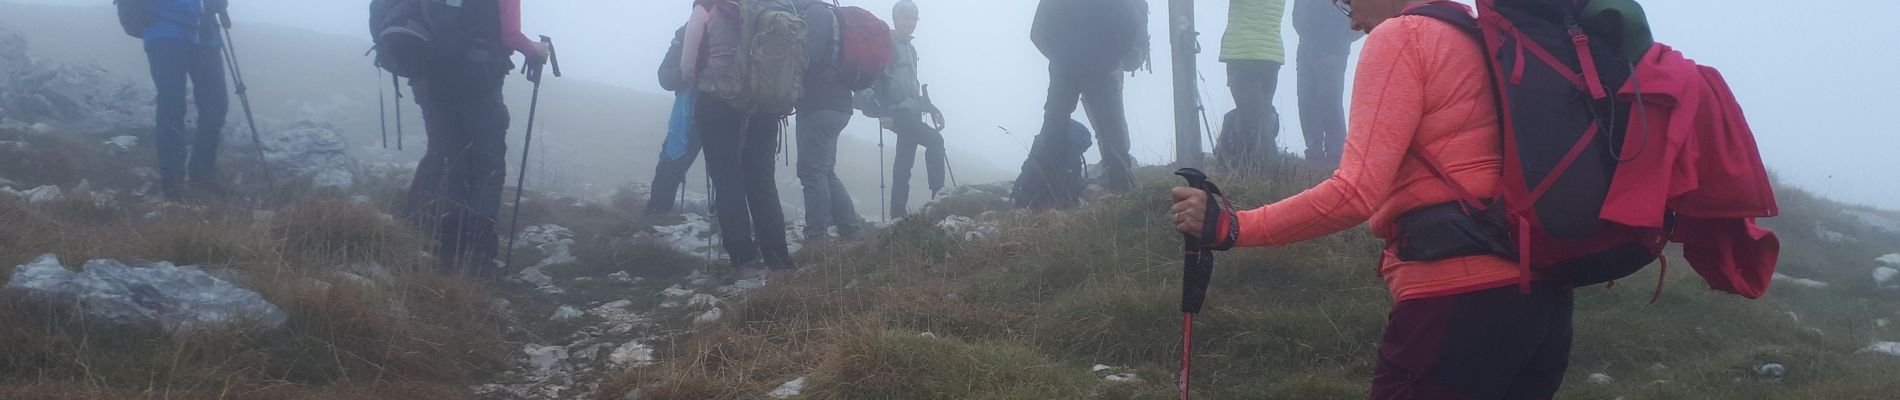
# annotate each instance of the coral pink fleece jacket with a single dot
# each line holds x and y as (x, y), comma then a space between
(1421, 84)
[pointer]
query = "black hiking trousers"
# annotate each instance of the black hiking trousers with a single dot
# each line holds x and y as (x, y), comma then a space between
(1322, 90)
(740, 156)
(827, 203)
(456, 194)
(1497, 344)
(670, 174)
(1253, 133)
(1099, 89)
(186, 155)
(911, 134)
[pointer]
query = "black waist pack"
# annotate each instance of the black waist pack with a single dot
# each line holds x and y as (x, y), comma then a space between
(1452, 230)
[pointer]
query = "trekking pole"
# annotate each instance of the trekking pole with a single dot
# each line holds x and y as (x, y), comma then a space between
(1198, 266)
(395, 82)
(382, 107)
(883, 188)
(244, 98)
(521, 180)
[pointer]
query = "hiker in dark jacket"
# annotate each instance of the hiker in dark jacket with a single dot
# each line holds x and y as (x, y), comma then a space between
(682, 145)
(896, 99)
(823, 112)
(1253, 52)
(741, 150)
(184, 46)
(1089, 44)
(1326, 40)
(456, 194)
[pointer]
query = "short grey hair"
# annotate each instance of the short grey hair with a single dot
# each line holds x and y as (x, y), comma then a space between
(904, 7)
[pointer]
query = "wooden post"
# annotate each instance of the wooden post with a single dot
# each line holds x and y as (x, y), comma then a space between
(1185, 44)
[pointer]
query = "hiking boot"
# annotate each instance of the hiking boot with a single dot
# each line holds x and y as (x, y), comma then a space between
(851, 234)
(212, 190)
(748, 271)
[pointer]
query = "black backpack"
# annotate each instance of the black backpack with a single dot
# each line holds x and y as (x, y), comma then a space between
(134, 17)
(414, 37)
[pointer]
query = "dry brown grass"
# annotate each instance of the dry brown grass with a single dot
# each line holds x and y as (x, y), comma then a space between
(421, 335)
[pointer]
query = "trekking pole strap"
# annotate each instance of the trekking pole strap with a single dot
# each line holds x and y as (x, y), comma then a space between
(1198, 252)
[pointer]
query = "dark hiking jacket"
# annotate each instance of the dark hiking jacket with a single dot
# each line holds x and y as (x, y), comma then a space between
(1092, 33)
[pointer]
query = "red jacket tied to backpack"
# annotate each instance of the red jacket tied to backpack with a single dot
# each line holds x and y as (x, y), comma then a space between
(1688, 124)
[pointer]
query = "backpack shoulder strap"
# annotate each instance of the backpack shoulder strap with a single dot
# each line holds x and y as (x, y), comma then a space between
(1458, 15)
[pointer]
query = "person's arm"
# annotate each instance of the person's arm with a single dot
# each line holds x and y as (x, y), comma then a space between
(881, 91)
(511, 35)
(695, 33)
(670, 77)
(1388, 105)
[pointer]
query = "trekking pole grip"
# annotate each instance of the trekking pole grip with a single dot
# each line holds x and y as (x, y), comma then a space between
(553, 60)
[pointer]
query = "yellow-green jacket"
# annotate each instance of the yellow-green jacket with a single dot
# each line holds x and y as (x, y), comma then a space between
(1253, 31)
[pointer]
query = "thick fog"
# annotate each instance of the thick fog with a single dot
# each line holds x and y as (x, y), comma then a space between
(1816, 80)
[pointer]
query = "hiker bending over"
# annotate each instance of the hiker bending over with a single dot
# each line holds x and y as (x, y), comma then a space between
(823, 112)
(456, 194)
(682, 144)
(1459, 328)
(1325, 42)
(1089, 44)
(183, 45)
(1253, 52)
(897, 101)
(740, 135)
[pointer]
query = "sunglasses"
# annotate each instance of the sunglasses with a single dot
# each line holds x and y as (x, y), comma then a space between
(1343, 7)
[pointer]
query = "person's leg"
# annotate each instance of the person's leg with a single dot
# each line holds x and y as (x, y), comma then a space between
(668, 175)
(426, 187)
(1322, 86)
(1312, 111)
(1047, 159)
(817, 153)
(214, 103)
(718, 127)
(1332, 99)
(1473, 346)
(934, 157)
(1104, 96)
(1545, 375)
(907, 142)
(760, 165)
(430, 204)
(1240, 144)
(170, 64)
(487, 121)
(844, 211)
(1270, 129)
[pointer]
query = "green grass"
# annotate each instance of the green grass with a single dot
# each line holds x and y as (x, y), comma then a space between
(1057, 293)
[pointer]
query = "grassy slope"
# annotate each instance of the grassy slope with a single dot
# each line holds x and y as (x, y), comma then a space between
(1023, 315)
(420, 335)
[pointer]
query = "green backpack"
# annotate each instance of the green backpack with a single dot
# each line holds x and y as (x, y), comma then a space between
(755, 58)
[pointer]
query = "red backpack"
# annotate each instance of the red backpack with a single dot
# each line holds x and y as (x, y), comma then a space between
(1567, 131)
(864, 48)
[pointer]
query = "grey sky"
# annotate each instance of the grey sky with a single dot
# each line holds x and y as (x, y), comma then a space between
(1817, 81)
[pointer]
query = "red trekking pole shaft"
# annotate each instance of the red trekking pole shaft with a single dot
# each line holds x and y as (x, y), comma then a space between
(1187, 351)
(1197, 269)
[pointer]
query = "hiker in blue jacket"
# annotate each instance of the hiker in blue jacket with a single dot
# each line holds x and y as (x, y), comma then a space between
(682, 145)
(184, 47)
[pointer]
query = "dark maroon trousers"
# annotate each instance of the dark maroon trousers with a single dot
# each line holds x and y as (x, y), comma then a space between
(1497, 344)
